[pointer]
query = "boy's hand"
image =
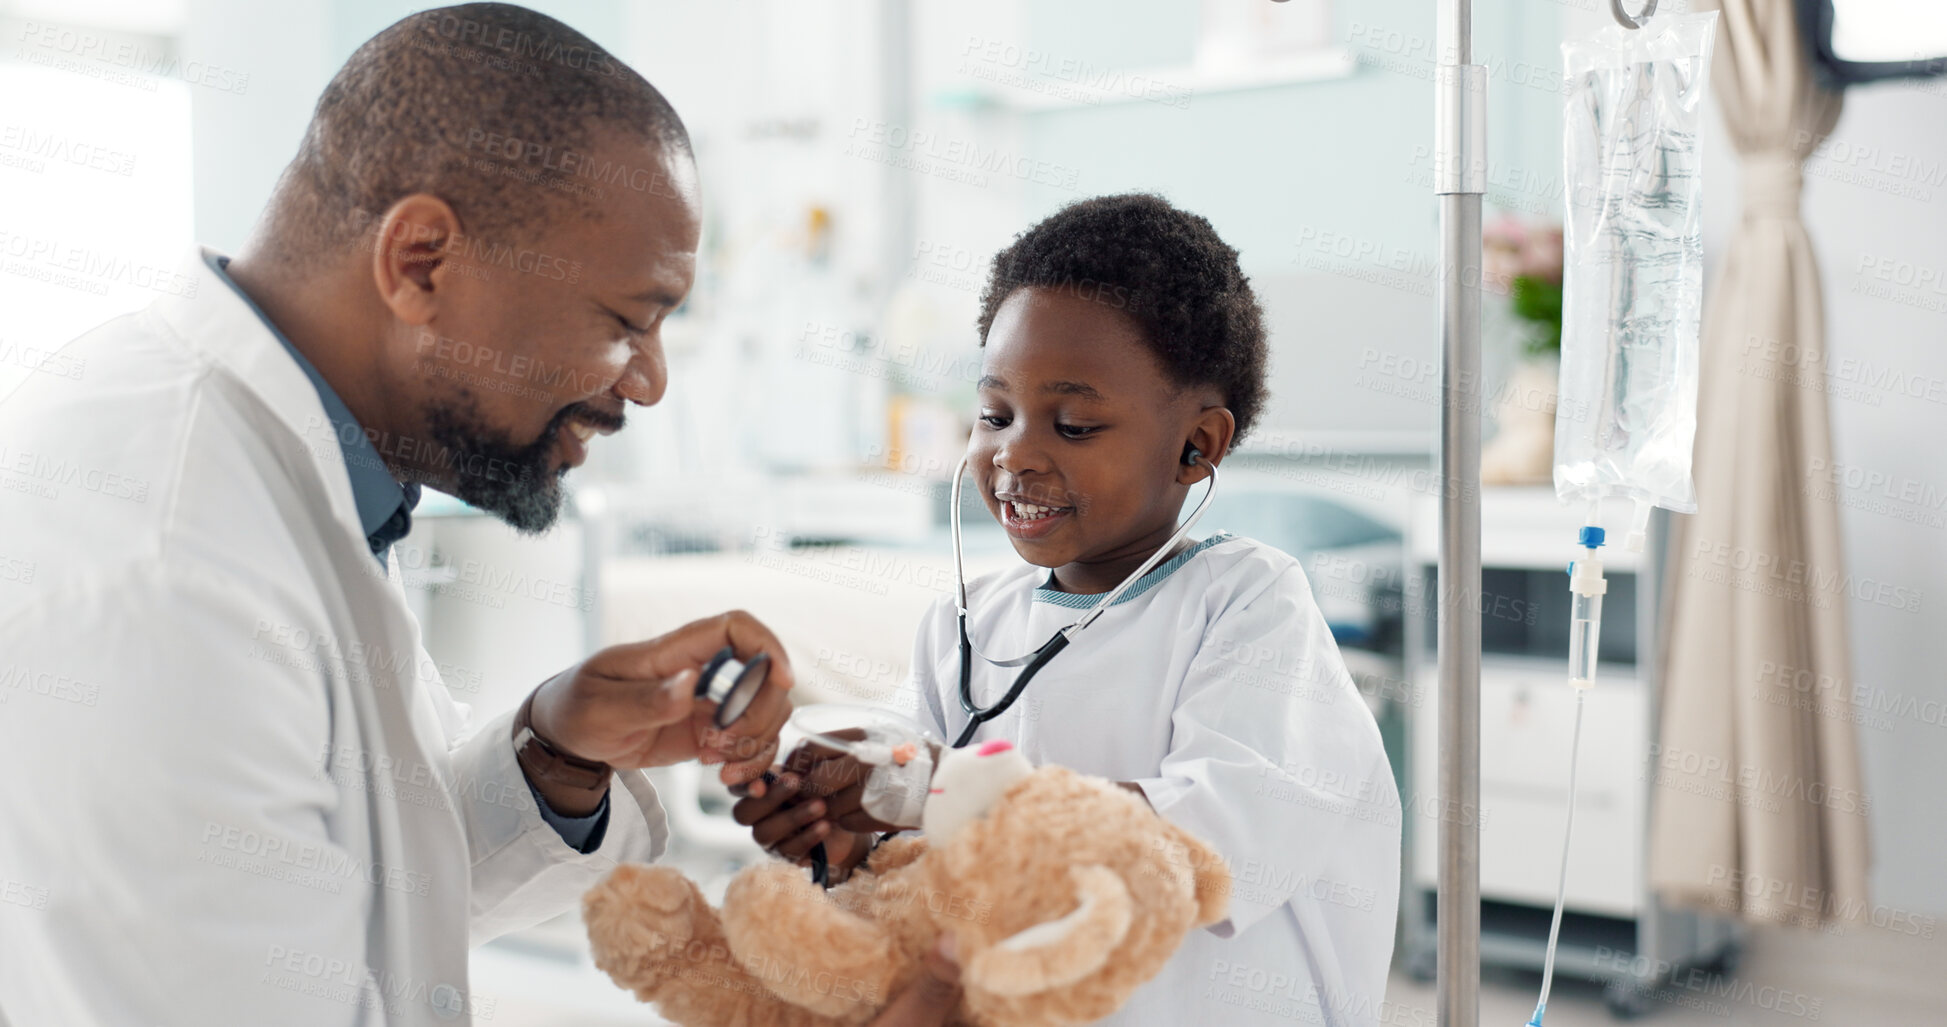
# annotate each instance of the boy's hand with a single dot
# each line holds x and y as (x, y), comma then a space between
(788, 823)
(837, 780)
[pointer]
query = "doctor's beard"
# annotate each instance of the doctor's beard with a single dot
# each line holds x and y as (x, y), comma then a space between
(516, 483)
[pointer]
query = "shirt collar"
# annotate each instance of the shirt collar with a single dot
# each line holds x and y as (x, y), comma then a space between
(384, 505)
(1155, 577)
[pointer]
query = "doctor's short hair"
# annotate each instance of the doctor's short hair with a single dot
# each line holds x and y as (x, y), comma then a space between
(491, 107)
(1162, 267)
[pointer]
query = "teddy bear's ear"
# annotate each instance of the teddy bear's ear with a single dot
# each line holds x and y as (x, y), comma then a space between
(1059, 952)
(1210, 878)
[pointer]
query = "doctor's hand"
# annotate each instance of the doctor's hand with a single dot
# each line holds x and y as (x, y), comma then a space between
(634, 705)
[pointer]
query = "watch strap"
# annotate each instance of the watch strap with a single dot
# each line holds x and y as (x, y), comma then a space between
(545, 761)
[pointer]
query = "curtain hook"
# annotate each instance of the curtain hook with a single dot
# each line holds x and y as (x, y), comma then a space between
(1623, 18)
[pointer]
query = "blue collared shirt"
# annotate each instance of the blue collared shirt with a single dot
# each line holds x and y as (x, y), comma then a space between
(385, 515)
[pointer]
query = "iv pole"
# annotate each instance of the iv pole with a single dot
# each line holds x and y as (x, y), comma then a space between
(1460, 177)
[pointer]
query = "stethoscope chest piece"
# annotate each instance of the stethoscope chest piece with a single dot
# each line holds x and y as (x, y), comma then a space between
(731, 683)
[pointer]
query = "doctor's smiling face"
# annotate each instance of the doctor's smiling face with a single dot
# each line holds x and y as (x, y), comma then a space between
(1079, 444)
(524, 352)
(478, 254)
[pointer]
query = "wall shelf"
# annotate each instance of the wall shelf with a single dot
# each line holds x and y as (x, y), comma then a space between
(1177, 86)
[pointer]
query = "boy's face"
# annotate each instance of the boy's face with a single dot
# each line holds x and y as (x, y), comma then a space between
(1079, 444)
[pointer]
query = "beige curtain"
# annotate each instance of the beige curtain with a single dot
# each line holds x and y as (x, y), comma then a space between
(1756, 806)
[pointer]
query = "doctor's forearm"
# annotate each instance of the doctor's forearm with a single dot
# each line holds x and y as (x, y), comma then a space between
(570, 784)
(569, 802)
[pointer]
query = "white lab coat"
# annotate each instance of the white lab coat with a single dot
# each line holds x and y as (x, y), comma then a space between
(233, 787)
(1215, 685)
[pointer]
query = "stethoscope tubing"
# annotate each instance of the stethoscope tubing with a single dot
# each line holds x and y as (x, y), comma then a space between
(1032, 662)
(978, 715)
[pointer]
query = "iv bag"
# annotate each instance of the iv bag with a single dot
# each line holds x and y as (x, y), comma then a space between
(1632, 273)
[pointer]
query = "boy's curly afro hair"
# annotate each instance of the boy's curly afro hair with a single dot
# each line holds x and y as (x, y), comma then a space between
(1162, 267)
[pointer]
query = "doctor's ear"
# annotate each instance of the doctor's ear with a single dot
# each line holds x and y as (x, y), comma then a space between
(413, 246)
(1209, 439)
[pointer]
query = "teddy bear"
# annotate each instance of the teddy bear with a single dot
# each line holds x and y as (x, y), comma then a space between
(1064, 894)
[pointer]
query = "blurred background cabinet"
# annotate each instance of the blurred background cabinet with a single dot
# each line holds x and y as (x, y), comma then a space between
(1527, 715)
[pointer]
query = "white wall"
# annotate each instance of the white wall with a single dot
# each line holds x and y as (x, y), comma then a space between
(1324, 187)
(286, 52)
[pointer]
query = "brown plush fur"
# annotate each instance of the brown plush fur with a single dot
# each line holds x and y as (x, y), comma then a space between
(786, 954)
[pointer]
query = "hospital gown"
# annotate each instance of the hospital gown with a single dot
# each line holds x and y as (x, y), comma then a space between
(1215, 686)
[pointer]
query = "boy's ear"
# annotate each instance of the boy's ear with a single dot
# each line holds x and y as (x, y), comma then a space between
(1210, 434)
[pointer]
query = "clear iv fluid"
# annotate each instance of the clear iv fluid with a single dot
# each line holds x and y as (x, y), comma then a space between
(1633, 290)
(1585, 630)
(1633, 266)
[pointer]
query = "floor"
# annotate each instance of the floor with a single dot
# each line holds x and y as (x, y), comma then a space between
(1865, 977)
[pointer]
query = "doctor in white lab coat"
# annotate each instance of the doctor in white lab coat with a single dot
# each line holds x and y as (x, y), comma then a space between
(233, 788)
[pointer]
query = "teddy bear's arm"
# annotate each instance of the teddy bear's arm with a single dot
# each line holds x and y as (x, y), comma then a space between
(790, 935)
(1210, 879)
(896, 852)
(653, 933)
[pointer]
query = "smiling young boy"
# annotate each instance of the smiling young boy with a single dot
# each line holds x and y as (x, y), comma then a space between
(1124, 354)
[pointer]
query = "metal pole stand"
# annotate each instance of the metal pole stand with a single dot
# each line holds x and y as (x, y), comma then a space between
(1459, 178)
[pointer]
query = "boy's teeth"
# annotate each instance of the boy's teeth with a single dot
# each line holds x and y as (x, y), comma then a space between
(1030, 511)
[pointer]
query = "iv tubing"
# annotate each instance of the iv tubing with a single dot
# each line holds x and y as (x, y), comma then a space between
(1586, 588)
(1561, 883)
